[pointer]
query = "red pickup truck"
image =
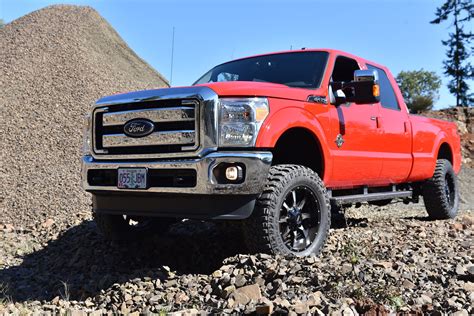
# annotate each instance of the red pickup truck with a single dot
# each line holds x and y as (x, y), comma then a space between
(273, 141)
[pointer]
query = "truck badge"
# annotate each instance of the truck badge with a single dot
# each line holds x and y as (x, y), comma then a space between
(138, 128)
(317, 99)
(339, 140)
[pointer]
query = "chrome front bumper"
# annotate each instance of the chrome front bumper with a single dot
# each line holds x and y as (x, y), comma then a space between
(257, 165)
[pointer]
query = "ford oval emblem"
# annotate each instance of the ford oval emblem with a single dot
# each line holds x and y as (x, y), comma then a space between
(138, 128)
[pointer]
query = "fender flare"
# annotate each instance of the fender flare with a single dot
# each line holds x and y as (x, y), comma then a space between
(441, 138)
(278, 123)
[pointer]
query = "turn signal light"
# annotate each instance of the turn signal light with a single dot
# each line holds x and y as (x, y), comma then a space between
(376, 90)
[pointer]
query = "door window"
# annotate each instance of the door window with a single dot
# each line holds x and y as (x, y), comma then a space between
(344, 69)
(388, 99)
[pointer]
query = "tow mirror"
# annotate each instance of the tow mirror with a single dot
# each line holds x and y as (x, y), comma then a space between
(365, 87)
(366, 75)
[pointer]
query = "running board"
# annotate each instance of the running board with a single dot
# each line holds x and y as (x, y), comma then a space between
(346, 199)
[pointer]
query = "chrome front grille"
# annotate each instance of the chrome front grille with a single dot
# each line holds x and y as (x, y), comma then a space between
(176, 128)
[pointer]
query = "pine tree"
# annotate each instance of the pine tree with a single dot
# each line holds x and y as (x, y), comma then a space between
(457, 64)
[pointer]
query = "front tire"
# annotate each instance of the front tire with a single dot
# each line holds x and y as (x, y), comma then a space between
(292, 216)
(127, 228)
(441, 192)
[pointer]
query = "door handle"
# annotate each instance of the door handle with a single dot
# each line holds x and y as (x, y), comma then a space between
(377, 121)
(405, 127)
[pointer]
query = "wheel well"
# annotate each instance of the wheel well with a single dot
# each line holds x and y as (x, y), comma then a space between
(299, 146)
(445, 153)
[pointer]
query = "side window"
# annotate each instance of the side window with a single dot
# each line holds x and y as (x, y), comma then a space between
(344, 68)
(388, 98)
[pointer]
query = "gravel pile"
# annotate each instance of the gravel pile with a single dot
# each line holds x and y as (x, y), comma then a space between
(54, 63)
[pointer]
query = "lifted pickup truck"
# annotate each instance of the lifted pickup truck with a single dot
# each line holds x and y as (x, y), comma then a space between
(274, 141)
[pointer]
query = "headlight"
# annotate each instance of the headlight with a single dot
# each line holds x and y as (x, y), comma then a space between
(240, 120)
(86, 144)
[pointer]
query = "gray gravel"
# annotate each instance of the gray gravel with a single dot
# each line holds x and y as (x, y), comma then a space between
(396, 262)
(54, 63)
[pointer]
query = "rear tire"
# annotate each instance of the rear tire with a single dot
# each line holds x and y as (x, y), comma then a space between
(126, 228)
(292, 216)
(441, 192)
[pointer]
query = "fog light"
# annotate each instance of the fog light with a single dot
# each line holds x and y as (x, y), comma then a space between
(233, 173)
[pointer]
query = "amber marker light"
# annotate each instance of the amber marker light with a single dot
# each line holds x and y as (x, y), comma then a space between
(376, 90)
(261, 114)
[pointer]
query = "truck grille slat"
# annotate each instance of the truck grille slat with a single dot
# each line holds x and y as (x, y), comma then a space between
(157, 138)
(176, 127)
(174, 114)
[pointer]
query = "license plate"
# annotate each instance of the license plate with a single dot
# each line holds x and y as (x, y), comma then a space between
(131, 178)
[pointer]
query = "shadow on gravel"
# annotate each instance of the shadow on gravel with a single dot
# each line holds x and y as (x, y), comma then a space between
(339, 221)
(418, 218)
(79, 263)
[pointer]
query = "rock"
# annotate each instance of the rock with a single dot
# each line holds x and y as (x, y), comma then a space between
(470, 269)
(240, 299)
(467, 220)
(247, 293)
(346, 268)
(181, 298)
(314, 299)
(240, 281)
(384, 264)
(301, 308)
(264, 309)
(408, 284)
(282, 302)
(457, 226)
(217, 274)
(89, 303)
(48, 223)
(468, 286)
(425, 299)
(460, 270)
(227, 291)
(8, 228)
(154, 299)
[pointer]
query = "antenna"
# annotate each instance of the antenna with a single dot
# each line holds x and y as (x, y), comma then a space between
(172, 57)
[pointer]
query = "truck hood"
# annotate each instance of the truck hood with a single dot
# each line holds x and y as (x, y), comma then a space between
(222, 89)
(261, 89)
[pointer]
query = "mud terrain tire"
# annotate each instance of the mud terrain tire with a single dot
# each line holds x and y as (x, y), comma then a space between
(441, 192)
(277, 211)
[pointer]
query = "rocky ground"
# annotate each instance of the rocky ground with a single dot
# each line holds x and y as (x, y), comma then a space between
(388, 259)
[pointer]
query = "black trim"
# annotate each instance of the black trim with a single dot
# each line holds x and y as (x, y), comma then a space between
(197, 206)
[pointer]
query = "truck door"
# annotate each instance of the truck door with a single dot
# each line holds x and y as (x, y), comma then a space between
(355, 140)
(397, 153)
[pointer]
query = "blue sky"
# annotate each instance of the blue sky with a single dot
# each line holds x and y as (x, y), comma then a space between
(395, 33)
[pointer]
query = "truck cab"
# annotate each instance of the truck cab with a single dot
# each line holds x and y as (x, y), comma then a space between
(273, 141)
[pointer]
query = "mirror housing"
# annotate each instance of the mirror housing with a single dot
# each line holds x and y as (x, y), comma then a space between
(364, 89)
(366, 75)
(365, 86)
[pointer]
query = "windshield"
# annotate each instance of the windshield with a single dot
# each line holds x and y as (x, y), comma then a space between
(299, 70)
